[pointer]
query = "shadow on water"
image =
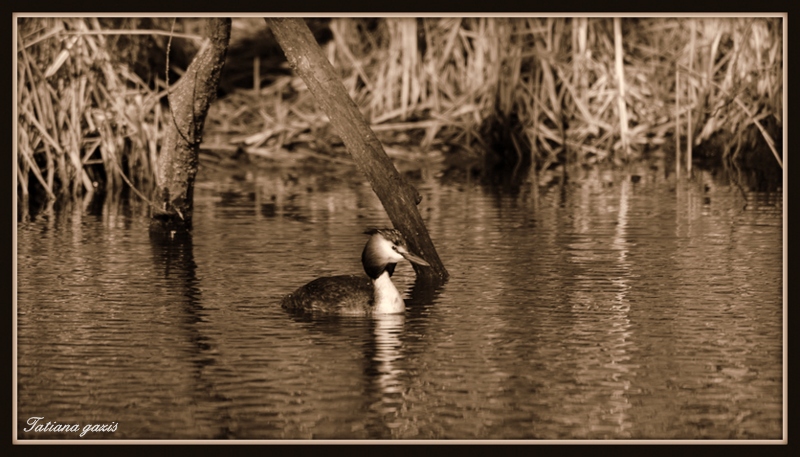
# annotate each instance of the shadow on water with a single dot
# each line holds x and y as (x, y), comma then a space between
(383, 351)
(173, 256)
(381, 347)
(423, 294)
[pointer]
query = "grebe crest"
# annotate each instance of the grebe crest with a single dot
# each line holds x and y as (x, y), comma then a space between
(358, 295)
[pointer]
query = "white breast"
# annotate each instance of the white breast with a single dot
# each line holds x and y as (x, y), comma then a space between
(387, 298)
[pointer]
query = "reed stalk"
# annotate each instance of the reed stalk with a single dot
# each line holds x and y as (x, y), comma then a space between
(691, 97)
(623, 110)
(82, 113)
(677, 122)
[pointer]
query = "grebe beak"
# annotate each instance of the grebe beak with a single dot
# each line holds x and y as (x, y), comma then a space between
(411, 257)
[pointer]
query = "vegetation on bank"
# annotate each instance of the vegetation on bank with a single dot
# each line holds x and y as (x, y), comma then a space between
(91, 93)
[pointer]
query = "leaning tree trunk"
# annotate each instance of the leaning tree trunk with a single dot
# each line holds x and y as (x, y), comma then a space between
(399, 198)
(189, 101)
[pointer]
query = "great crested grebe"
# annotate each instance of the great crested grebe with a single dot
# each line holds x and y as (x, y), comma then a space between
(354, 294)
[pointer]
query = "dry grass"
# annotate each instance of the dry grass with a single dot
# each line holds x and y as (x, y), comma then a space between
(554, 83)
(86, 120)
(561, 78)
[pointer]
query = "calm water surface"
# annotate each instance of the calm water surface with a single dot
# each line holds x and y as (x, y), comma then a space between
(608, 308)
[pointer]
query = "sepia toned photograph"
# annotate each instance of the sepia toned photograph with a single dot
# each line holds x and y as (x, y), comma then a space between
(401, 229)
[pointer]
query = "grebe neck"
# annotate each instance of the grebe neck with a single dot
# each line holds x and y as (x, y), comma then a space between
(387, 298)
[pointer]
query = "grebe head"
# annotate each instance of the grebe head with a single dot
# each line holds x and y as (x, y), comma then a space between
(384, 249)
(356, 295)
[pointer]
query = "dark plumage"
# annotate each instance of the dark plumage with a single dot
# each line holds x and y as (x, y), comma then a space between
(345, 294)
(359, 295)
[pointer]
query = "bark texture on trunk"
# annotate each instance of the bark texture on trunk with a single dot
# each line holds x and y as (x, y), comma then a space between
(189, 101)
(399, 198)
